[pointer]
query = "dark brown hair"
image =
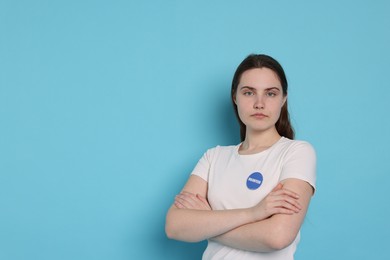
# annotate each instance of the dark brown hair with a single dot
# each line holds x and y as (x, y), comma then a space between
(253, 61)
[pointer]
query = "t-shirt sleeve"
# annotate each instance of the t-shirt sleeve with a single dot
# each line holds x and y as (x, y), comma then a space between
(300, 163)
(202, 168)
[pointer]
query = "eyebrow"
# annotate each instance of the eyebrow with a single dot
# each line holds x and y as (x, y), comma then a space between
(267, 89)
(243, 87)
(273, 88)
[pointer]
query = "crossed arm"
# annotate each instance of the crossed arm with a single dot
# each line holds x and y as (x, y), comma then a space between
(268, 226)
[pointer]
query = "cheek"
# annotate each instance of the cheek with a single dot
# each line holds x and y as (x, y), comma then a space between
(277, 108)
(239, 103)
(242, 108)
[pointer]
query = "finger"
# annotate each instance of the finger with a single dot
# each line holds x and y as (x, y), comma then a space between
(186, 193)
(191, 201)
(284, 211)
(281, 207)
(203, 200)
(291, 193)
(278, 187)
(292, 201)
(185, 201)
(285, 201)
(287, 205)
(179, 205)
(194, 198)
(285, 192)
(187, 196)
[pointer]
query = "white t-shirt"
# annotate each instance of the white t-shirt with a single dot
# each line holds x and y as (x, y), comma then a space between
(241, 181)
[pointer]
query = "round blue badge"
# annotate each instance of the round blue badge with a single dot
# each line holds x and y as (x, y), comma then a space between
(254, 181)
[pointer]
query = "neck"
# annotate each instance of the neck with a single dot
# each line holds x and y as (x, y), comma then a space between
(259, 141)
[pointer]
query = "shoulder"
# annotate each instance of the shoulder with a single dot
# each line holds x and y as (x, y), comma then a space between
(299, 161)
(211, 157)
(219, 151)
(222, 149)
(296, 146)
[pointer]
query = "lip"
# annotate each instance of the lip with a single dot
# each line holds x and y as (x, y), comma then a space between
(259, 115)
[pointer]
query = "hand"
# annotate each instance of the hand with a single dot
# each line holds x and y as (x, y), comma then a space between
(278, 201)
(187, 200)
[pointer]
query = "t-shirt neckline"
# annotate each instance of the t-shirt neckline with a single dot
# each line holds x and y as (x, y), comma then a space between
(258, 153)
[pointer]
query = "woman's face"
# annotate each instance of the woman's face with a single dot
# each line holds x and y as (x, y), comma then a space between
(259, 99)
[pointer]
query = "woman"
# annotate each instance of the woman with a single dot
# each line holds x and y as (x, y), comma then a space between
(249, 200)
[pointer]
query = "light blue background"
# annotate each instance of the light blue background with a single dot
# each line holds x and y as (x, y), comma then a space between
(106, 106)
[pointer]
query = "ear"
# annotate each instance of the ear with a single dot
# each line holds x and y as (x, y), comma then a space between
(284, 100)
(234, 99)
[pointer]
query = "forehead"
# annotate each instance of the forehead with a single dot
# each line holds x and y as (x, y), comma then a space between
(259, 78)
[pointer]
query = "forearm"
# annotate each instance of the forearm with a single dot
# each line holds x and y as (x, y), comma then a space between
(196, 225)
(188, 221)
(273, 233)
(261, 236)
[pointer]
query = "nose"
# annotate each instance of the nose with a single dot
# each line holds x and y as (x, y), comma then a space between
(259, 102)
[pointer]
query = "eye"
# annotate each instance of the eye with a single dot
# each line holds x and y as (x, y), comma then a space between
(271, 94)
(248, 93)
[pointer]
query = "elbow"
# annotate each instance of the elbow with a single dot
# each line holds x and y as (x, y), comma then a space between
(174, 232)
(170, 231)
(170, 227)
(278, 244)
(281, 238)
(178, 229)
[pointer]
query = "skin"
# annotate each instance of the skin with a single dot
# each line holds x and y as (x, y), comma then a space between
(259, 100)
(274, 222)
